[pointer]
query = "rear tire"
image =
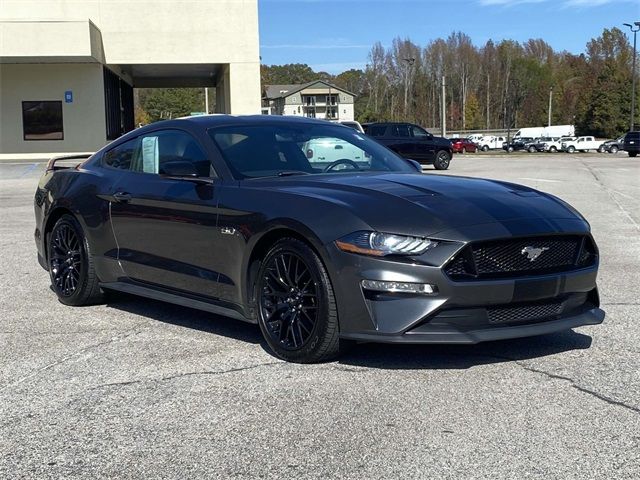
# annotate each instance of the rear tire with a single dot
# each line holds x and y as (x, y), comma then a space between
(571, 149)
(485, 148)
(532, 149)
(509, 149)
(73, 276)
(442, 161)
(553, 149)
(633, 154)
(297, 310)
(601, 149)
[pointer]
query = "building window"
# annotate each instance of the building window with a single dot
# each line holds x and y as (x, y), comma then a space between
(42, 120)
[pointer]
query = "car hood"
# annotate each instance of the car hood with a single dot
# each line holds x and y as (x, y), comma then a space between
(426, 204)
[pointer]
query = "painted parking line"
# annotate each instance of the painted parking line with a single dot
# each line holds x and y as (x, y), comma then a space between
(31, 168)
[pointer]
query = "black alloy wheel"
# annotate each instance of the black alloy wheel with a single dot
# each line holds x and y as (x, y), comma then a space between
(71, 269)
(296, 307)
(442, 160)
(65, 260)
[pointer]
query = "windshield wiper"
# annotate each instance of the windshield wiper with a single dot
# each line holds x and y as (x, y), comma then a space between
(291, 173)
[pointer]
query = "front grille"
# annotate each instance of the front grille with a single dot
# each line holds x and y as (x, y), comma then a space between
(526, 313)
(524, 256)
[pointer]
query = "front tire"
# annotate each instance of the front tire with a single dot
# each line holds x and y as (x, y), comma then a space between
(297, 311)
(601, 149)
(613, 149)
(571, 149)
(485, 148)
(632, 154)
(442, 161)
(553, 149)
(532, 149)
(73, 276)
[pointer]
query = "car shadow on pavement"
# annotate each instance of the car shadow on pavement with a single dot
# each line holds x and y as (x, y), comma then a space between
(186, 317)
(371, 355)
(390, 356)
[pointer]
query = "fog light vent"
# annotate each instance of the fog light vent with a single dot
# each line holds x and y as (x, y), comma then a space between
(399, 287)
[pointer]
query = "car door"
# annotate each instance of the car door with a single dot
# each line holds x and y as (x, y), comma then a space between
(400, 141)
(164, 214)
(423, 144)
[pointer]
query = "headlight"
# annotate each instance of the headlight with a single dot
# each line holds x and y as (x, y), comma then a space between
(381, 244)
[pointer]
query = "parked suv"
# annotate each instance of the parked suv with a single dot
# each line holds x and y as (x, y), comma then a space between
(516, 144)
(539, 144)
(632, 143)
(413, 142)
(612, 146)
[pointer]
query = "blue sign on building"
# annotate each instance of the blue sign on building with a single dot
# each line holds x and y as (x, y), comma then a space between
(68, 96)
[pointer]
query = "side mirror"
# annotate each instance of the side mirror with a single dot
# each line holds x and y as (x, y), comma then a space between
(414, 164)
(179, 168)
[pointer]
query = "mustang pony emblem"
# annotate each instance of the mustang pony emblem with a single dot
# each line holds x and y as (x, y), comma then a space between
(533, 253)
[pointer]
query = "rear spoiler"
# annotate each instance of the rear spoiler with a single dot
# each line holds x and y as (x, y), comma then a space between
(51, 164)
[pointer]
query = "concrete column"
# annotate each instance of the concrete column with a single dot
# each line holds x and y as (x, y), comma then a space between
(244, 88)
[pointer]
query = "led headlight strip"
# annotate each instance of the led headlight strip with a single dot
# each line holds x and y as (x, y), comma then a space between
(381, 244)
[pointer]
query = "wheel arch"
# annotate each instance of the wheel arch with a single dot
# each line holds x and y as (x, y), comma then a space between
(262, 245)
(55, 215)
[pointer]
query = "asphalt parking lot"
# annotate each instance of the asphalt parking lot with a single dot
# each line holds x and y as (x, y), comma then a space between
(137, 388)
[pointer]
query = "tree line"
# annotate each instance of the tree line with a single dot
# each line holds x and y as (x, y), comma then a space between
(498, 85)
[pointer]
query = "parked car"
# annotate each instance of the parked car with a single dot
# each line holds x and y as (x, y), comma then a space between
(462, 145)
(538, 144)
(475, 137)
(490, 142)
(632, 143)
(352, 124)
(581, 144)
(612, 146)
(556, 145)
(413, 142)
(227, 215)
(517, 144)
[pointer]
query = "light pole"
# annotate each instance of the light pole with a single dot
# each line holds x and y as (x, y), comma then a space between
(407, 73)
(633, 73)
(550, 99)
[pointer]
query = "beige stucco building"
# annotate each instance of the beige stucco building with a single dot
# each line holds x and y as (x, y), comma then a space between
(68, 67)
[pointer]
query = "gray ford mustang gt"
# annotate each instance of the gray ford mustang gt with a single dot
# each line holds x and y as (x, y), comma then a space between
(317, 233)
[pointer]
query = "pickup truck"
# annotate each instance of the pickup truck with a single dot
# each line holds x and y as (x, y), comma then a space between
(581, 144)
(413, 142)
(556, 145)
(490, 142)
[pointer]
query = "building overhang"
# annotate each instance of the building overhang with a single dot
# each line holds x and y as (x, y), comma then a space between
(173, 75)
(50, 42)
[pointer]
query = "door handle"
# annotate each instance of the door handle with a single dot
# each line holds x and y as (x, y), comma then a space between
(122, 197)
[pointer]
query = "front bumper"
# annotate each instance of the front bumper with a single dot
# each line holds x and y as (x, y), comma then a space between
(452, 335)
(460, 311)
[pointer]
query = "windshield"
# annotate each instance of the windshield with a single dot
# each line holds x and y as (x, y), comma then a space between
(279, 150)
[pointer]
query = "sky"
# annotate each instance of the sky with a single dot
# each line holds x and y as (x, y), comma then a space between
(336, 35)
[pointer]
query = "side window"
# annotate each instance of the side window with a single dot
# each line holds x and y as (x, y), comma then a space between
(417, 132)
(377, 130)
(166, 151)
(121, 156)
(400, 131)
